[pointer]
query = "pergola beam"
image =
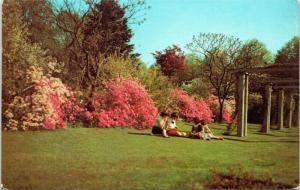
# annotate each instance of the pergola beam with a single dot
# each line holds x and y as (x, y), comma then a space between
(291, 68)
(280, 81)
(286, 87)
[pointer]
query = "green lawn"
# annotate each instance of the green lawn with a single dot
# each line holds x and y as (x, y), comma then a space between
(115, 158)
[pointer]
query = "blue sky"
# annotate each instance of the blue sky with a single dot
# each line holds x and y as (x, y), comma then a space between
(273, 22)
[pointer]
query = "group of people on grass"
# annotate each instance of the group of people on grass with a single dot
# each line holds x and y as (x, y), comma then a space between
(165, 125)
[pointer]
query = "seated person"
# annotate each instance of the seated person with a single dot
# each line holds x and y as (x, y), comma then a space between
(197, 127)
(160, 126)
(172, 129)
(172, 121)
(202, 131)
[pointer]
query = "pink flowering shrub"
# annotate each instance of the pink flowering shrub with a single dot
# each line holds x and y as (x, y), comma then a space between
(190, 107)
(228, 109)
(123, 102)
(46, 104)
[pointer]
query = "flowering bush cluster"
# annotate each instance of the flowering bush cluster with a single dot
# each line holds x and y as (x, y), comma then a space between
(46, 104)
(228, 109)
(123, 102)
(190, 107)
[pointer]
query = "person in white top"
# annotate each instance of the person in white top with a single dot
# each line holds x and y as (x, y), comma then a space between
(161, 124)
(172, 128)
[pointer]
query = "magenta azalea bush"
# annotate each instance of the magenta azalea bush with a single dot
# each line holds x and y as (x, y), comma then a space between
(123, 102)
(45, 104)
(190, 107)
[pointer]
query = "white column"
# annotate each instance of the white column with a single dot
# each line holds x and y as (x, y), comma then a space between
(280, 108)
(241, 105)
(266, 124)
(290, 111)
(246, 104)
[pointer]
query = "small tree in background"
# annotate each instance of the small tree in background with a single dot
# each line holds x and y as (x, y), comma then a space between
(220, 54)
(159, 86)
(170, 61)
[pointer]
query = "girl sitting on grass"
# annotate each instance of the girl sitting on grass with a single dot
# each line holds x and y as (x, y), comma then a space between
(201, 130)
(172, 129)
(161, 124)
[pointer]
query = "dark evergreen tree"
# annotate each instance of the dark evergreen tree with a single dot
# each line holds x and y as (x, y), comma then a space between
(106, 30)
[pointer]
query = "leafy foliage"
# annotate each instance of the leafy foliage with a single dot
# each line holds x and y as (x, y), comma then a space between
(159, 86)
(289, 53)
(197, 88)
(40, 20)
(115, 66)
(18, 52)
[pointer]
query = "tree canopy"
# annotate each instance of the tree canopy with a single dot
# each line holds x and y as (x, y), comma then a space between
(289, 53)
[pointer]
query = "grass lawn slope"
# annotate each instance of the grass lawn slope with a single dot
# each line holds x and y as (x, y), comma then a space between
(116, 158)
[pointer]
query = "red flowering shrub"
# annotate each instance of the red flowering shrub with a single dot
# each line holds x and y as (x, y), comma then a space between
(125, 103)
(190, 107)
(46, 104)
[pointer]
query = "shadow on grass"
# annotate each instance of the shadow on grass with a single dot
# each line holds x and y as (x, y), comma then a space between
(255, 141)
(266, 134)
(284, 131)
(149, 134)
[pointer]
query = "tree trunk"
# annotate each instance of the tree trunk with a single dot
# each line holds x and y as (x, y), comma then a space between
(220, 119)
(89, 105)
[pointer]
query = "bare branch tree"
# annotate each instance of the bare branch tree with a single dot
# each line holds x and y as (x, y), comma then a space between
(219, 53)
(89, 39)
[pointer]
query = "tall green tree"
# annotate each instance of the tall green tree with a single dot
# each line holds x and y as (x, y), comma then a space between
(289, 53)
(254, 54)
(38, 16)
(18, 51)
